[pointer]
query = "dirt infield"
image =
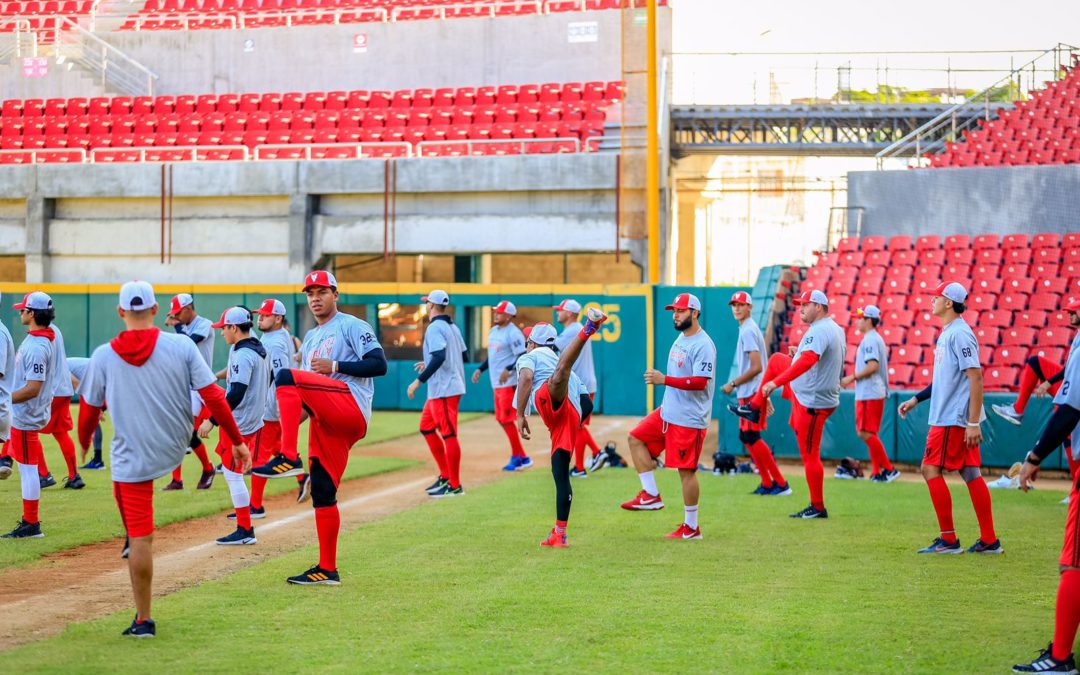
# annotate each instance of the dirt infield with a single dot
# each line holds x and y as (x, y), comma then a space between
(92, 581)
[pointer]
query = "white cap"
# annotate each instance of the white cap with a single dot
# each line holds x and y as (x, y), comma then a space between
(180, 301)
(271, 307)
(812, 296)
(870, 312)
(233, 316)
(437, 297)
(506, 307)
(137, 295)
(34, 300)
(952, 290)
(543, 334)
(569, 305)
(685, 301)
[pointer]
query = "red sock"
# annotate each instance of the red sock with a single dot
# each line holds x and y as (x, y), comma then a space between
(1028, 381)
(980, 499)
(516, 449)
(1073, 464)
(438, 451)
(30, 510)
(878, 457)
(815, 480)
(177, 475)
(327, 524)
(942, 500)
(243, 517)
(755, 456)
(579, 452)
(1066, 614)
(768, 463)
(590, 442)
(67, 449)
(560, 527)
(42, 467)
(453, 461)
(258, 485)
(200, 452)
(290, 409)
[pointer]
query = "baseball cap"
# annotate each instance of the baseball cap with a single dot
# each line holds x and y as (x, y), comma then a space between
(811, 296)
(526, 331)
(543, 334)
(685, 301)
(437, 297)
(951, 290)
(233, 316)
(137, 295)
(34, 300)
(179, 302)
(506, 307)
(1073, 304)
(870, 312)
(741, 298)
(271, 307)
(320, 278)
(569, 305)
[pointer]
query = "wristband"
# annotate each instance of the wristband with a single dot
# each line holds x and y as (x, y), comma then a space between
(973, 425)
(335, 367)
(1032, 458)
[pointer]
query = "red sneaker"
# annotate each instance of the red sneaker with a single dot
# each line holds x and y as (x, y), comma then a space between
(555, 540)
(685, 532)
(644, 502)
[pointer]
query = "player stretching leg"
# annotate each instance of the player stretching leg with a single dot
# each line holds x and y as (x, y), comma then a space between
(567, 313)
(812, 375)
(561, 399)
(7, 376)
(749, 356)
(956, 411)
(506, 343)
(1058, 656)
(871, 379)
(678, 427)
(340, 356)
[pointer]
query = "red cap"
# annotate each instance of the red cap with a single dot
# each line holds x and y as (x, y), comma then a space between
(271, 307)
(811, 296)
(320, 278)
(741, 298)
(1073, 305)
(685, 301)
(526, 331)
(180, 301)
(220, 322)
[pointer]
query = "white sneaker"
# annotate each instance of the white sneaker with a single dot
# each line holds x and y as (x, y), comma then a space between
(1066, 500)
(1005, 483)
(1008, 413)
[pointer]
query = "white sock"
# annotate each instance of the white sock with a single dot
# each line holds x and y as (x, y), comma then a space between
(691, 516)
(29, 481)
(237, 488)
(648, 483)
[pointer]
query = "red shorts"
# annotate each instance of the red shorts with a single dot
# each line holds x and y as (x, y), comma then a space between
(224, 450)
(440, 414)
(808, 425)
(25, 446)
(747, 425)
(868, 415)
(681, 445)
(203, 415)
(562, 423)
(945, 448)
(505, 410)
(270, 442)
(336, 422)
(60, 421)
(1070, 552)
(136, 504)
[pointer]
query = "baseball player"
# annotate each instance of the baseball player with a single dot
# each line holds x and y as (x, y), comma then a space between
(60, 423)
(678, 427)
(247, 382)
(280, 351)
(7, 377)
(1058, 656)
(77, 367)
(811, 378)
(443, 368)
(749, 361)
(146, 377)
(567, 313)
(340, 358)
(561, 399)
(186, 321)
(31, 397)
(506, 343)
(871, 380)
(956, 412)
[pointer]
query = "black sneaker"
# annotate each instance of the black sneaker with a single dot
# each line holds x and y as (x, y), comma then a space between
(173, 485)
(93, 465)
(47, 481)
(599, 461)
(746, 411)
(878, 477)
(315, 576)
(219, 469)
(761, 490)
(279, 467)
(890, 476)
(578, 473)
(141, 629)
(25, 530)
(256, 513)
(124, 552)
(447, 491)
(939, 545)
(303, 489)
(6, 464)
(989, 549)
(206, 480)
(1046, 663)
(240, 537)
(439, 484)
(614, 459)
(75, 483)
(810, 512)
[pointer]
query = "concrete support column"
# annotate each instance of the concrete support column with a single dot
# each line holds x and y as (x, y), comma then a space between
(684, 257)
(304, 250)
(39, 211)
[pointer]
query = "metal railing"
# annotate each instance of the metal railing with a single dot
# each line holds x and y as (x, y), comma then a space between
(113, 67)
(194, 153)
(271, 151)
(508, 146)
(464, 9)
(44, 155)
(949, 126)
(23, 39)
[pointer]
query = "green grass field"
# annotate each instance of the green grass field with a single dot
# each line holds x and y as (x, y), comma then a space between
(461, 585)
(71, 518)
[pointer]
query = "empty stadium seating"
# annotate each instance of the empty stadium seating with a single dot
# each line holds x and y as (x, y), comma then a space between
(502, 120)
(1016, 287)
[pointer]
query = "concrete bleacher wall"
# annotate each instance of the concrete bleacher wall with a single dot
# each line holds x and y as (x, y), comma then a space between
(968, 201)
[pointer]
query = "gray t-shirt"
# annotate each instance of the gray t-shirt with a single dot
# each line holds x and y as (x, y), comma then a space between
(693, 356)
(200, 326)
(150, 404)
(344, 338)
(247, 366)
(750, 340)
(872, 348)
(449, 379)
(956, 351)
(819, 387)
(63, 373)
(77, 366)
(542, 361)
(280, 350)
(584, 367)
(7, 377)
(505, 345)
(36, 360)
(1069, 392)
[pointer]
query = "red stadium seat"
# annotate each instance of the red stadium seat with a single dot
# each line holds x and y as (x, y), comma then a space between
(900, 243)
(1013, 301)
(987, 335)
(922, 376)
(921, 335)
(1046, 239)
(910, 354)
(1001, 377)
(897, 317)
(1010, 355)
(1053, 337)
(873, 244)
(927, 242)
(957, 241)
(1052, 354)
